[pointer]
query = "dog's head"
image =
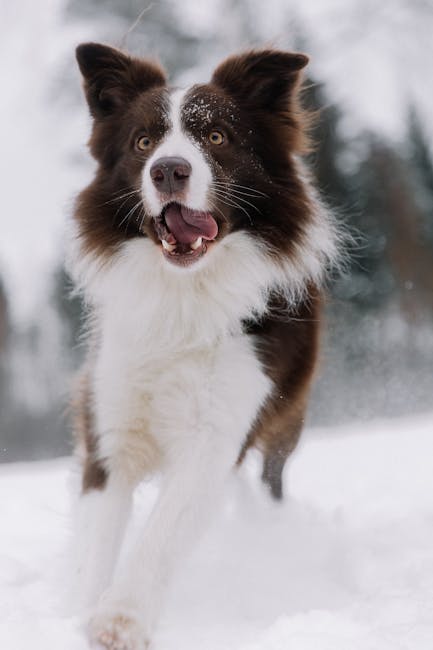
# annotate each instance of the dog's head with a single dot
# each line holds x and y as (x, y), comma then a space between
(188, 167)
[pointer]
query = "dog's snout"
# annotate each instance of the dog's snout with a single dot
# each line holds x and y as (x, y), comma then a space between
(170, 174)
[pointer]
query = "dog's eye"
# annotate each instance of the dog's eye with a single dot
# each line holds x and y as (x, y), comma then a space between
(216, 137)
(143, 142)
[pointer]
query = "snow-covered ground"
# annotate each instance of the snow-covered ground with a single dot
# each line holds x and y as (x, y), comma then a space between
(346, 563)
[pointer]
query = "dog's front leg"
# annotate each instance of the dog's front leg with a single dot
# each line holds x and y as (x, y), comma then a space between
(100, 521)
(202, 411)
(192, 487)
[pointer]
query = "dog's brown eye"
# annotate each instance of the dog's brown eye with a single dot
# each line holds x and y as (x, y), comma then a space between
(216, 137)
(143, 143)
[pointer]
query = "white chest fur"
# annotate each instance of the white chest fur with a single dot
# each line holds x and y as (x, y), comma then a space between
(172, 358)
(152, 407)
(173, 365)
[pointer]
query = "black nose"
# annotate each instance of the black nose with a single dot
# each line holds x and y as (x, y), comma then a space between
(170, 174)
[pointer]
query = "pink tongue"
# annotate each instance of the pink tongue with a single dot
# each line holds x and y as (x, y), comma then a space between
(186, 224)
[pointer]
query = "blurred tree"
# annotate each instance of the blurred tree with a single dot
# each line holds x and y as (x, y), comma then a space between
(328, 146)
(157, 33)
(4, 319)
(69, 308)
(4, 335)
(420, 164)
(344, 184)
(385, 196)
(391, 201)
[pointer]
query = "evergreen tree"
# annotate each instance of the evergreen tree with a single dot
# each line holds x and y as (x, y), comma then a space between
(4, 320)
(4, 335)
(70, 311)
(420, 163)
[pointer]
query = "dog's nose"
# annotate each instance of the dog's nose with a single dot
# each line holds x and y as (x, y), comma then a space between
(170, 174)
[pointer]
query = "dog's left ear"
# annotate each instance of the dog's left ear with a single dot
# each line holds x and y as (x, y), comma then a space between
(264, 79)
(112, 78)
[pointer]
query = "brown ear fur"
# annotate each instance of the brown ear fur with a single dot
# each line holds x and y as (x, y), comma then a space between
(265, 79)
(112, 78)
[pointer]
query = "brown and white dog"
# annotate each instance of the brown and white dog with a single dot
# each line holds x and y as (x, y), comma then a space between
(200, 247)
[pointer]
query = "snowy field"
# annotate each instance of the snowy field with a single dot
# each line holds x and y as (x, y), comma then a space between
(346, 563)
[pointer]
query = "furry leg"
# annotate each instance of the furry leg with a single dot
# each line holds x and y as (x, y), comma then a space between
(192, 488)
(100, 523)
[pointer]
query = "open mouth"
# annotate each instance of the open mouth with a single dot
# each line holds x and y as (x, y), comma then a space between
(185, 234)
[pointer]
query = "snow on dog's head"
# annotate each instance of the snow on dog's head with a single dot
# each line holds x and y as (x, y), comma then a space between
(190, 170)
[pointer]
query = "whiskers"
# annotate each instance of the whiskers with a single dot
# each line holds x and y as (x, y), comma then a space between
(233, 195)
(123, 193)
(125, 196)
(240, 189)
(127, 204)
(138, 205)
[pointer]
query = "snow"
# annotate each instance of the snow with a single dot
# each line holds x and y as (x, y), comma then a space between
(345, 562)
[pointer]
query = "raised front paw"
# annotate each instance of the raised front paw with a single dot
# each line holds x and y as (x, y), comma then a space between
(117, 632)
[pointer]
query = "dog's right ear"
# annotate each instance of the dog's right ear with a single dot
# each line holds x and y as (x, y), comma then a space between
(112, 79)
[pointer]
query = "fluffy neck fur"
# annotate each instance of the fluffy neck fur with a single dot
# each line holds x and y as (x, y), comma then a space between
(152, 304)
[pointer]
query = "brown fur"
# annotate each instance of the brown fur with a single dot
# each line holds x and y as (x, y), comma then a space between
(95, 475)
(256, 88)
(288, 350)
(253, 98)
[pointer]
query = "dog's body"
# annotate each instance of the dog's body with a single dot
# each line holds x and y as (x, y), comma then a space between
(200, 247)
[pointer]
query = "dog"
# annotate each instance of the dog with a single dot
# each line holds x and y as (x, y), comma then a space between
(201, 249)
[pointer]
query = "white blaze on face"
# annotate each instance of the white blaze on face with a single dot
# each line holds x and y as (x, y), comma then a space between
(178, 143)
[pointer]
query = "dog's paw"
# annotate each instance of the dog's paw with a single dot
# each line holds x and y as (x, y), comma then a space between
(117, 632)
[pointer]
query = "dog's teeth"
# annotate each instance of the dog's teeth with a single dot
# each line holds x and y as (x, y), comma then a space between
(168, 247)
(197, 243)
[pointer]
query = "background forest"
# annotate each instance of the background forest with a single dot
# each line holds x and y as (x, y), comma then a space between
(370, 79)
